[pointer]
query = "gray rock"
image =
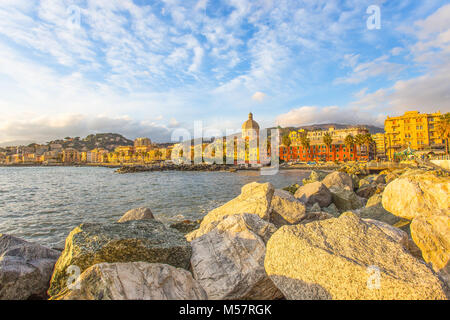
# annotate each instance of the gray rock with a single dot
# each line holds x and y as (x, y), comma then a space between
(255, 198)
(286, 209)
(134, 281)
(368, 190)
(131, 241)
(315, 176)
(314, 192)
(346, 199)
(374, 210)
(228, 261)
(338, 179)
(332, 209)
(25, 268)
(137, 214)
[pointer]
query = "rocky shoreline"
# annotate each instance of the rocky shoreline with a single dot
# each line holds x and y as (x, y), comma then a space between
(346, 234)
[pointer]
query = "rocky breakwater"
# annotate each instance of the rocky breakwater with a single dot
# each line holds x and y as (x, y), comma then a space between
(326, 239)
(176, 167)
(229, 246)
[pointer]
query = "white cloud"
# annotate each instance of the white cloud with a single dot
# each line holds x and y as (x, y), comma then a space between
(397, 50)
(363, 71)
(173, 123)
(259, 96)
(430, 91)
(45, 128)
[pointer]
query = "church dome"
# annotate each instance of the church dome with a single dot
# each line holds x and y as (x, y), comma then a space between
(250, 123)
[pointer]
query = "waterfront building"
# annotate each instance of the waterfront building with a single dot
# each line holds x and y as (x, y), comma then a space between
(70, 155)
(380, 146)
(124, 153)
(53, 156)
(316, 136)
(318, 151)
(142, 142)
(415, 130)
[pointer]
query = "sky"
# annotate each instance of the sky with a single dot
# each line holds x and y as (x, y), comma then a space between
(145, 68)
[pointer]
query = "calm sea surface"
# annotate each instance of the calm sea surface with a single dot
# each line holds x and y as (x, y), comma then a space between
(43, 204)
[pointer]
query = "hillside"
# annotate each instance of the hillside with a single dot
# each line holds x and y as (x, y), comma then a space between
(107, 141)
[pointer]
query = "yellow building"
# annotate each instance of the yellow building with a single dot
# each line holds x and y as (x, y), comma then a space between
(414, 129)
(70, 155)
(380, 143)
(142, 142)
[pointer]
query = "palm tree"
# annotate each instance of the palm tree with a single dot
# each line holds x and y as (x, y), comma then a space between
(367, 140)
(305, 142)
(286, 140)
(327, 140)
(443, 129)
(359, 141)
(349, 141)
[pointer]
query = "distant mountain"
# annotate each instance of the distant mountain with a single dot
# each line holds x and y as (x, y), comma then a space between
(325, 126)
(108, 141)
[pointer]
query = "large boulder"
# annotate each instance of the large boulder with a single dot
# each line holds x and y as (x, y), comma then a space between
(134, 281)
(418, 194)
(346, 258)
(345, 199)
(145, 240)
(286, 209)
(432, 235)
(338, 179)
(315, 192)
(255, 198)
(25, 268)
(137, 214)
(228, 261)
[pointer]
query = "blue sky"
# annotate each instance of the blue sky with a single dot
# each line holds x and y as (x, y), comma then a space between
(143, 68)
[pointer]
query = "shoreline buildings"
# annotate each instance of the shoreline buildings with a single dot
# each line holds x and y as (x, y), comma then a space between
(311, 145)
(414, 130)
(413, 133)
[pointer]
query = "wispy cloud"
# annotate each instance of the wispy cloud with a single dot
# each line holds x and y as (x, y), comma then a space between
(216, 60)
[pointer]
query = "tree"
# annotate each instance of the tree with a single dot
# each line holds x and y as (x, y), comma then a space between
(359, 141)
(327, 140)
(443, 129)
(368, 141)
(349, 141)
(305, 142)
(286, 140)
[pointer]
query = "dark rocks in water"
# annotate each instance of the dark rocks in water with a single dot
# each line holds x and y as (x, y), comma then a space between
(137, 214)
(180, 167)
(143, 240)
